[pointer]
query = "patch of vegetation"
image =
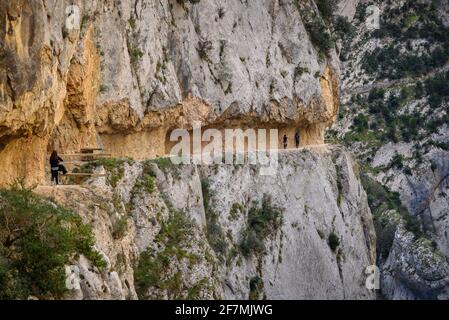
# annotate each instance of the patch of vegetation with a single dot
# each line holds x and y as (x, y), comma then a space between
(333, 241)
(320, 35)
(376, 94)
(193, 293)
(339, 189)
(256, 288)
(251, 244)
(215, 235)
(437, 89)
(132, 23)
(117, 202)
(343, 27)
(214, 232)
(157, 269)
(135, 53)
(442, 145)
(299, 71)
(360, 12)
(316, 27)
(388, 121)
(411, 21)
(119, 228)
(84, 21)
(113, 166)
(236, 210)
(372, 139)
(267, 59)
(37, 240)
(204, 46)
(121, 263)
(103, 88)
(360, 123)
(162, 163)
(110, 164)
(385, 226)
(146, 183)
(160, 68)
(397, 161)
(418, 20)
(380, 200)
(233, 253)
(390, 63)
(221, 12)
(326, 8)
(263, 222)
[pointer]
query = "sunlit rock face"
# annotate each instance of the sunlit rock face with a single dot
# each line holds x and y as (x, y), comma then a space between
(134, 70)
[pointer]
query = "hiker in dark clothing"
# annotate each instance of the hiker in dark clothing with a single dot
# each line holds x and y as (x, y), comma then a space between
(56, 167)
(285, 141)
(297, 139)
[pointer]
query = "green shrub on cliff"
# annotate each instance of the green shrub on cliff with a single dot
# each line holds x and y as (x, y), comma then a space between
(157, 271)
(256, 288)
(263, 222)
(119, 228)
(135, 53)
(113, 166)
(327, 8)
(37, 240)
(214, 232)
(334, 241)
(320, 35)
(385, 204)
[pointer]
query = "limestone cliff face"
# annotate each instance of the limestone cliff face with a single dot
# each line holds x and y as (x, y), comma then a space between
(135, 69)
(317, 194)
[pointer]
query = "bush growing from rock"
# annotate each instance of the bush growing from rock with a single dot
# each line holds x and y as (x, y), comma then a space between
(38, 239)
(333, 241)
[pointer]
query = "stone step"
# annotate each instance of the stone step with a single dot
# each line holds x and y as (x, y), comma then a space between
(82, 174)
(90, 150)
(86, 155)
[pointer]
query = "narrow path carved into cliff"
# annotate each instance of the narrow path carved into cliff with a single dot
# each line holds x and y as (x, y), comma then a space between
(320, 147)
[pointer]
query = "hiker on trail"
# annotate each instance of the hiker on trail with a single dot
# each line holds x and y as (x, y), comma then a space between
(285, 141)
(56, 167)
(297, 139)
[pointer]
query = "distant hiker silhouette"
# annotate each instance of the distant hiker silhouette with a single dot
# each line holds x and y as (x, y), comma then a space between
(285, 141)
(297, 138)
(56, 167)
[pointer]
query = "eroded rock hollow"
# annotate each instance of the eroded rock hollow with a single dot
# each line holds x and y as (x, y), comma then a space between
(135, 70)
